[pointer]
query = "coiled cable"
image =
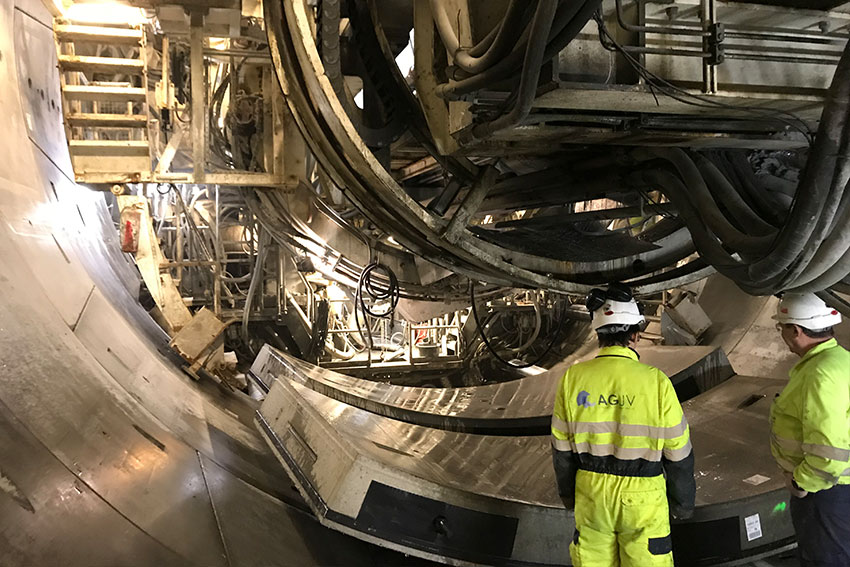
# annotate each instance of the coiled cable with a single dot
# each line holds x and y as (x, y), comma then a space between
(492, 350)
(378, 291)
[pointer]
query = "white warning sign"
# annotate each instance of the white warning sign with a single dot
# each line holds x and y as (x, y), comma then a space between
(753, 525)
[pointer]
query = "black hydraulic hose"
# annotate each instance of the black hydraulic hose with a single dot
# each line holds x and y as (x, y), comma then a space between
(569, 32)
(815, 182)
(511, 61)
(724, 192)
(540, 26)
(820, 243)
(708, 246)
(705, 206)
(829, 278)
(748, 193)
(833, 248)
(219, 143)
(482, 46)
(830, 215)
(507, 34)
(829, 259)
(569, 19)
(836, 273)
(738, 169)
(380, 291)
(492, 350)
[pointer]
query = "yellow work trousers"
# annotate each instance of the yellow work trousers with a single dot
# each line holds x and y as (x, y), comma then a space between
(621, 521)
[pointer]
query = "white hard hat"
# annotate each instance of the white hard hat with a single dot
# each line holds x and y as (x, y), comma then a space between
(806, 310)
(617, 313)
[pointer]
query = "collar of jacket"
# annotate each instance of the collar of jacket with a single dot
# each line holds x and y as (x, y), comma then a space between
(826, 345)
(625, 352)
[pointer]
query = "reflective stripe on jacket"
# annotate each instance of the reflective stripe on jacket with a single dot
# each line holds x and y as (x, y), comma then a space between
(615, 415)
(810, 419)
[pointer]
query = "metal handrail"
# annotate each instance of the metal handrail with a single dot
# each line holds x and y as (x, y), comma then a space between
(658, 29)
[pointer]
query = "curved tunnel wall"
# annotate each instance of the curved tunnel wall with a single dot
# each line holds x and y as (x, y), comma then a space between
(742, 325)
(109, 454)
(92, 413)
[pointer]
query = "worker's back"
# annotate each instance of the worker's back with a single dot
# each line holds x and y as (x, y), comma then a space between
(622, 424)
(623, 409)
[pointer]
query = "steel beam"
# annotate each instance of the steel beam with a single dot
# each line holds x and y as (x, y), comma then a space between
(199, 97)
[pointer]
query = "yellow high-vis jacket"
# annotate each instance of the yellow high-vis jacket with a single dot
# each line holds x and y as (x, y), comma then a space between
(614, 415)
(810, 419)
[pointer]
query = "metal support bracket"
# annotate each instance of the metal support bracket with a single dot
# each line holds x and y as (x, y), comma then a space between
(470, 205)
(714, 44)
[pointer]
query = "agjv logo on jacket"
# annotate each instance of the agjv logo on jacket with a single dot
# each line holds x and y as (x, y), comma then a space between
(583, 399)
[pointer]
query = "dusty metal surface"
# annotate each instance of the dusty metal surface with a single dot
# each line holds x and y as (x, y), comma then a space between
(341, 451)
(349, 463)
(519, 407)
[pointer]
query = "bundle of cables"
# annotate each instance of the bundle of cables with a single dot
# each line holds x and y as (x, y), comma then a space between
(385, 293)
(529, 34)
(493, 351)
(764, 250)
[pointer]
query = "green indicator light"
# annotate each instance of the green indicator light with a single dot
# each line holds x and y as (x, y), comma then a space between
(780, 507)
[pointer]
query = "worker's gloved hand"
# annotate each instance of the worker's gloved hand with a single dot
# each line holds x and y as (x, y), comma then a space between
(795, 490)
(680, 512)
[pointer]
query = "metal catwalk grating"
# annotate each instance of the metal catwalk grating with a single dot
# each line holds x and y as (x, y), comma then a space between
(575, 243)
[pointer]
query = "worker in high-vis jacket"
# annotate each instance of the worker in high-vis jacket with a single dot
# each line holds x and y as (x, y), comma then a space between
(810, 431)
(617, 430)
